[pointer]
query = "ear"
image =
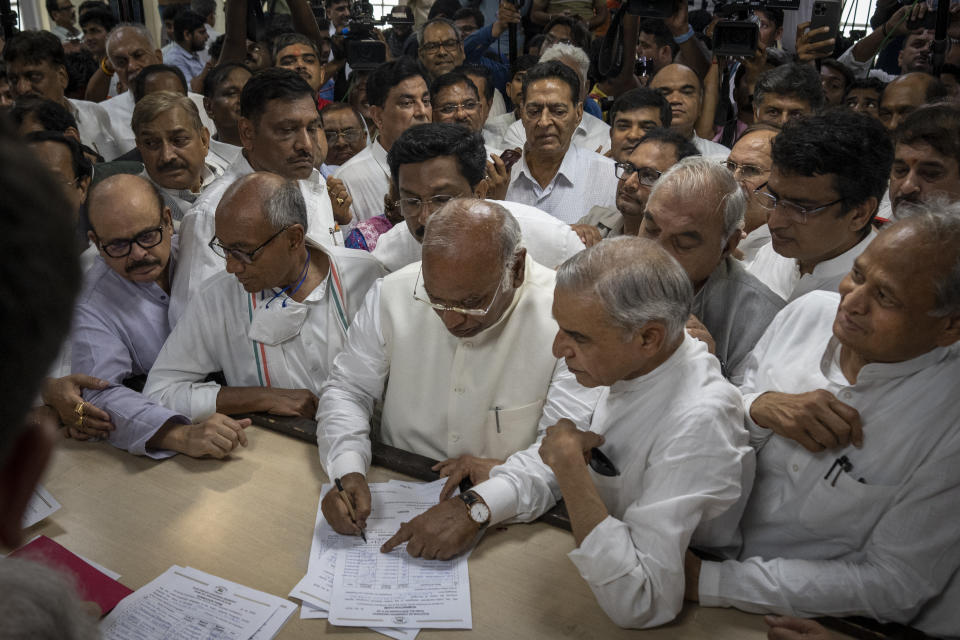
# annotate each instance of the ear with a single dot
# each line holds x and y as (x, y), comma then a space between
(166, 217)
(862, 214)
(159, 55)
(207, 106)
(71, 132)
(580, 110)
(323, 75)
(84, 185)
(92, 237)
(651, 338)
(950, 333)
(24, 465)
(247, 132)
(519, 268)
(482, 188)
(732, 244)
(297, 236)
(63, 77)
(376, 114)
(205, 138)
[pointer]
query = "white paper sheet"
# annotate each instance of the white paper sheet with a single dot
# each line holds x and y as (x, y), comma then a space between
(41, 505)
(190, 604)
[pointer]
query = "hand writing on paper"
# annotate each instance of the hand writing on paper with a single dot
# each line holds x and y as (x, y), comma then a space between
(440, 533)
(335, 509)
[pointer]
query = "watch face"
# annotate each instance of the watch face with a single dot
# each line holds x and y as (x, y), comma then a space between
(479, 512)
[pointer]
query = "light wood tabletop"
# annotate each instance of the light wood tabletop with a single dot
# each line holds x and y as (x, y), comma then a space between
(250, 519)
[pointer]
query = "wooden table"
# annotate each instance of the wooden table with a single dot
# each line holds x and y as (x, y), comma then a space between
(250, 519)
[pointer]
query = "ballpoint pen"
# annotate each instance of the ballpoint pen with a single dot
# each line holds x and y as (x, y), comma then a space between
(353, 514)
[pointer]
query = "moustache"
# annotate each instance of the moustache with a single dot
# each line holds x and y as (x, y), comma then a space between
(173, 165)
(141, 264)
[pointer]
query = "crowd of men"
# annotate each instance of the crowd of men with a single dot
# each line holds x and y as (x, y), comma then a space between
(711, 303)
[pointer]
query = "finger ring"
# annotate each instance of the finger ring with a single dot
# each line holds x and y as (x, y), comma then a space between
(340, 200)
(79, 409)
(80, 422)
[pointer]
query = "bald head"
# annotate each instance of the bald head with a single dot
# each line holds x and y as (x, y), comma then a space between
(469, 228)
(681, 88)
(905, 93)
(107, 198)
(269, 196)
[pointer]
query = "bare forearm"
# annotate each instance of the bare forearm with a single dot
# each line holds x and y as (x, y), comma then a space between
(626, 79)
(171, 436)
(695, 55)
(98, 88)
(232, 400)
(584, 505)
(303, 20)
(235, 37)
(867, 47)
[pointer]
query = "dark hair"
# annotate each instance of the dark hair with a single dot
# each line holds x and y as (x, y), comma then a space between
(522, 63)
(87, 5)
(217, 75)
(140, 82)
(204, 7)
(661, 135)
(333, 107)
(443, 9)
(840, 68)
(638, 99)
(483, 72)
(794, 80)
(853, 147)
(758, 126)
(53, 5)
(274, 83)
(578, 31)
(186, 20)
(388, 75)
(534, 42)
(101, 16)
(937, 125)
(330, 3)
(427, 141)
(35, 47)
(450, 79)
(285, 40)
(82, 167)
(40, 254)
(775, 15)
(3, 71)
(80, 68)
(661, 34)
(553, 69)
(51, 115)
(170, 11)
(874, 84)
(470, 12)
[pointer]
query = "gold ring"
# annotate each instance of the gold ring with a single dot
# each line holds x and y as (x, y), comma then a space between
(79, 409)
(340, 200)
(80, 422)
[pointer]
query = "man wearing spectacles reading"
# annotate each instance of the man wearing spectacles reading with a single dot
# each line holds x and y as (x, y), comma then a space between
(457, 347)
(828, 175)
(273, 321)
(121, 323)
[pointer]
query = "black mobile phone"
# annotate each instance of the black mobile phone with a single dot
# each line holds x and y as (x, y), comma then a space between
(826, 13)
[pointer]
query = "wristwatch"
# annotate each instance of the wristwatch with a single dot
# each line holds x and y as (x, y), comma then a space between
(477, 509)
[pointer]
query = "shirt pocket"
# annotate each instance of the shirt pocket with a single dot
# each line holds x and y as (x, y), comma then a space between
(845, 513)
(510, 430)
(610, 489)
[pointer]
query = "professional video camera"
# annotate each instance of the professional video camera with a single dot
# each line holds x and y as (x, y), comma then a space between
(738, 34)
(364, 50)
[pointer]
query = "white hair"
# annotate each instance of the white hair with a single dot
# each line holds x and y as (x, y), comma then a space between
(134, 26)
(637, 282)
(699, 178)
(446, 21)
(561, 50)
(286, 207)
(938, 220)
(444, 230)
(41, 603)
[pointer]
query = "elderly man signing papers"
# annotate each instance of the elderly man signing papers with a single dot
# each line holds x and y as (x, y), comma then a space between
(464, 339)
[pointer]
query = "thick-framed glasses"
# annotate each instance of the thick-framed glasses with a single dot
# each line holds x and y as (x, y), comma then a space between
(352, 135)
(552, 39)
(420, 295)
(748, 171)
(468, 105)
(647, 176)
(246, 257)
(121, 247)
(433, 47)
(411, 207)
(792, 210)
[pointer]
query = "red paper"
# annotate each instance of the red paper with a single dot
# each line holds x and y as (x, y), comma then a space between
(92, 585)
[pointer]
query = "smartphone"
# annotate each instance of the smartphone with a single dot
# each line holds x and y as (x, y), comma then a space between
(510, 157)
(826, 13)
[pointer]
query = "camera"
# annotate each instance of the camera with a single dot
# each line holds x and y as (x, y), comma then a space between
(652, 8)
(739, 34)
(364, 50)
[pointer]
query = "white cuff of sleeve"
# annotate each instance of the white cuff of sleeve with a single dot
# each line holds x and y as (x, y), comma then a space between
(708, 587)
(203, 400)
(347, 462)
(594, 559)
(500, 496)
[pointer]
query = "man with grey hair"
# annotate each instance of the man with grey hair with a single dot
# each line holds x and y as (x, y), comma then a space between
(638, 491)
(850, 403)
(441, 48)
(695, 212)
(457, 347)
(287, 296)
(787, 92)
(592, 133)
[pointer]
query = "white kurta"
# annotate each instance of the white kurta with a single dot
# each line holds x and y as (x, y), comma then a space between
(709, 148)
(95, 127)
(783, 277)
(120, 110)
(213, 336)
(487, 395)
(548, 241)
(591, 133)
(367, 178)
(676, 438)
(198, 261)
(881, 541)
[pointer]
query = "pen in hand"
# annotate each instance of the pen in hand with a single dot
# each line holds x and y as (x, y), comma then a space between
(353, 514)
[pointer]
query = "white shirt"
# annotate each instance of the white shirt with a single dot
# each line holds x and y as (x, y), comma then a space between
(759, 237)
(367, 178)
(783, 277)
(487, 395)
(885, 547)
(181, 200)
(498, 105)
(198, 261)
(592, 132)
(214, 335)
(863, 69)
(548, 241)
(584, 180)
(95, 128)
(225, 150)
(709, 148)
(496, 127)
(120, 110)
(676, 437)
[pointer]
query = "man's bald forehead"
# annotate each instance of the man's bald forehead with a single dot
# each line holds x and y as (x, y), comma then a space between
(677, 71)
(120, 187)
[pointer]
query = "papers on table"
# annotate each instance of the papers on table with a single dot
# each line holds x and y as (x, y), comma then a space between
(41, 505)
(393, 593)
(187, 603)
